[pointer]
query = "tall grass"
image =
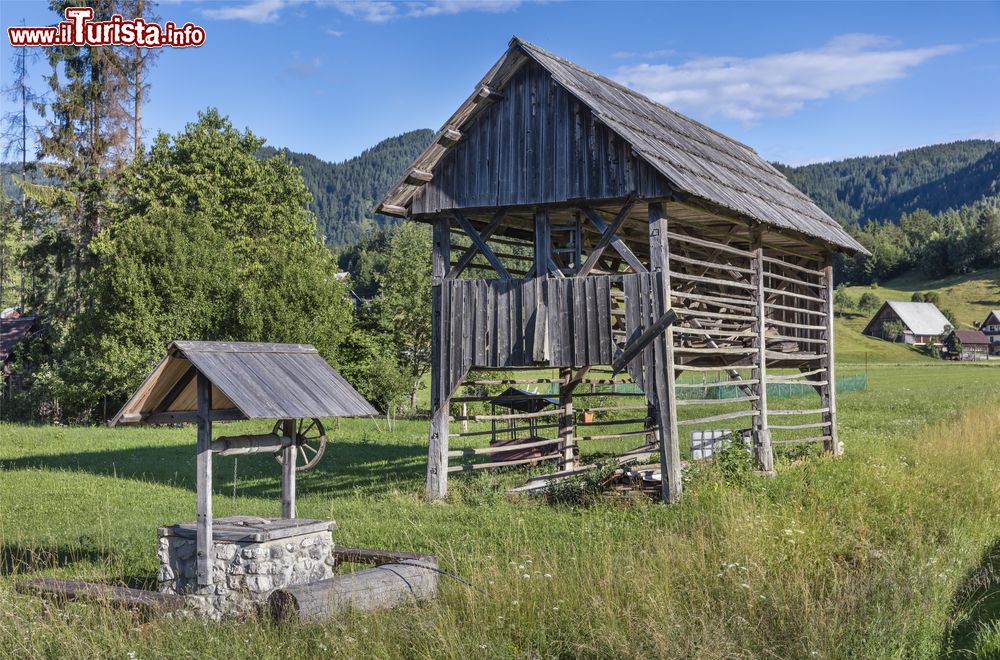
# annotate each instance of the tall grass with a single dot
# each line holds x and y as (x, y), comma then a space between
(883, 553)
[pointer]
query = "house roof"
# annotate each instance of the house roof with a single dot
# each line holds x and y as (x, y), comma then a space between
(695, 159)
(995, 315)
(249, 381)
(920, 318)
(12, 332)
(971, 337)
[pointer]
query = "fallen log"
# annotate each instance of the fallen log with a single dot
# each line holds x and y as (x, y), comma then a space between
(384, 586)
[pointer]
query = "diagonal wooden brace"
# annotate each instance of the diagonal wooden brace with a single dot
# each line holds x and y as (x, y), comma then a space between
(609, 236)
(473, 249)
(635, 346)
(480, 244)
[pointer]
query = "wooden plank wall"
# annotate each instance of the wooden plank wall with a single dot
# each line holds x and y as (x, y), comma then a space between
(537, 144)
(499, 323)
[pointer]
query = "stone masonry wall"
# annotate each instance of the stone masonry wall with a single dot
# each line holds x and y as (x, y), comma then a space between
(244, 573)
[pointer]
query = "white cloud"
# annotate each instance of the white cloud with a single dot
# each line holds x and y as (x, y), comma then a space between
(334, 33)
(255, 11)
(301, 67)
(647, 55)
(780, 84)
(372, 11)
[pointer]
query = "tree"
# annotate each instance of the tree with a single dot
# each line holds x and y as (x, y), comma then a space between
(842, 301)
(869, 302)
(893, 330)
(917, 297)
(405, 301)
(950, 315)
(207, 242)
(932, 297)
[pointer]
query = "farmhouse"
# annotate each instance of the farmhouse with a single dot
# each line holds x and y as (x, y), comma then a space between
(967, 345)
(991, 328)
(921, 323)
(583, 229)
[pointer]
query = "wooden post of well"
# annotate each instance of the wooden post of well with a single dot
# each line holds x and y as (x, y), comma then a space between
(288, 459)
(663, 351)
(204, 481)
(437, 446)
(762, 433)
(828, 392)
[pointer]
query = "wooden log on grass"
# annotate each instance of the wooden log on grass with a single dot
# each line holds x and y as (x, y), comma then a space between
(382, 587)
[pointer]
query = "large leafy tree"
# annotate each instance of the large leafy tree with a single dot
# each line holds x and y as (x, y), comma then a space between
(405, 303)
(207, 242)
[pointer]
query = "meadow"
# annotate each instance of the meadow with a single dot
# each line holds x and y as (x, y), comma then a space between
(891, 551)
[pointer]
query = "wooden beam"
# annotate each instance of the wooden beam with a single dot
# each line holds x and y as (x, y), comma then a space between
(204, 544)
(481, 245)
(566, 442)
(543, 243)
(609, 237)
(288, 458)
(635, 345)
(437, 445)
(239, 445)
(418, 177)
(762, 444)
(828, 393)
(449, 138)
(392, 209)
(665, 401)
(176, 390)
(471, 252)
(485, 93)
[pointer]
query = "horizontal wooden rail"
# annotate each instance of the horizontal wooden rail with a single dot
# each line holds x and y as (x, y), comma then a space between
(797, 310)
(499, 432)
(778, 355)
(718, 402)
(684, 311)
(800, 296)
(801, 269)
(624, 434)
(715, 351)
(712, 245)
(498, 418)
(811, 411)
(797, 427)
(717, 418)
(779, 377)
(468, 467)
(701, 279)
(802, 340)
(711, 264)
(737, 304)
(798, 326)
(615, 422)
(792, 280)
(721, 383)
(824, 438)
(498, 449)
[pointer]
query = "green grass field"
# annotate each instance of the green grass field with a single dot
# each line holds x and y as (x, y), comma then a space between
(891, 551)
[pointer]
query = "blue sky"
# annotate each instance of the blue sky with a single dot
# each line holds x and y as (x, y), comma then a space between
(797, 82)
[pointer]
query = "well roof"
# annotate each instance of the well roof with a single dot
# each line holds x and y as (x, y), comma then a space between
(249, 380)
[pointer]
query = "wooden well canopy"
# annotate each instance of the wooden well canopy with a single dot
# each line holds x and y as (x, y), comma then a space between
(249, 381)
(582, 227)
(207, 381)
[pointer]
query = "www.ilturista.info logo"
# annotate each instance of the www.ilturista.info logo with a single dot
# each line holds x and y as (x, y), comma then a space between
(79, 29)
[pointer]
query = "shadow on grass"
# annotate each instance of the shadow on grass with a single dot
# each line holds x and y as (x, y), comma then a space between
(345, 467)
(18, 559)
(975, 603)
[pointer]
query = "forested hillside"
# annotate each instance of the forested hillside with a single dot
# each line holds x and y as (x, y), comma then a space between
(345, 193)
(934, 178)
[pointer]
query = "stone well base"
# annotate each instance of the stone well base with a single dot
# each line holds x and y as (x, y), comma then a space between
(251, 557)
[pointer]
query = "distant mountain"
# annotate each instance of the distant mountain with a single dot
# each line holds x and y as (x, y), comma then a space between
(934, 178)
(345, 193)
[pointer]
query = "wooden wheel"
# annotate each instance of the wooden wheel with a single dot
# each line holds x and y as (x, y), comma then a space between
(309, 441)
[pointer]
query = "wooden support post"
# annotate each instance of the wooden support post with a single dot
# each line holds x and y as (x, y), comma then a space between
(762, 434)
(663, 347)
(289, 455)
(828, 392)
(437, 446)
(543, 243)
(566, 440)
(204, 481)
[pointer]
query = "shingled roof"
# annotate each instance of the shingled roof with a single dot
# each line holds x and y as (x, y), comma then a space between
(695, 159)
(249, 381)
